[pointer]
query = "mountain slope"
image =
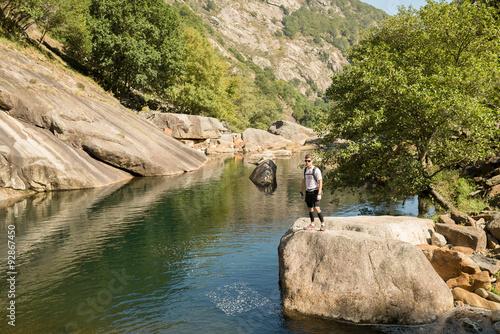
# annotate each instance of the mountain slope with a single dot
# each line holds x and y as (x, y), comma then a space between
(299, 40)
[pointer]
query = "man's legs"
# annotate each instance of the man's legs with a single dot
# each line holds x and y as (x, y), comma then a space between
(312, 204)
(311, 215)
(320, 216)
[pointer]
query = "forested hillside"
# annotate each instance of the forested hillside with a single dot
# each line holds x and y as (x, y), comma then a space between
(248, 63)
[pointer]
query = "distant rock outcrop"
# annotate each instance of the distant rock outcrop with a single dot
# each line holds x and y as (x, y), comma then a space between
(183, 126)
(292, 131)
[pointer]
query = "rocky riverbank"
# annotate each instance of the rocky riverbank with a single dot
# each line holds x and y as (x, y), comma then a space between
(395, 270)
(211, 137)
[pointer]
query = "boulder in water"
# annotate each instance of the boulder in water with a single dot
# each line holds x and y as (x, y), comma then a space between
(359, 277)
(264, 175)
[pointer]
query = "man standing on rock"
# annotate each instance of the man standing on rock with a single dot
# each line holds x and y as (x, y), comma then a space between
(312, 181)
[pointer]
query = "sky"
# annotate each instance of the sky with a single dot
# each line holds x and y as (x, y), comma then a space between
(391, 6)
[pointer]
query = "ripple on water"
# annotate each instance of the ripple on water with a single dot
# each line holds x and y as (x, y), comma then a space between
(239, 298)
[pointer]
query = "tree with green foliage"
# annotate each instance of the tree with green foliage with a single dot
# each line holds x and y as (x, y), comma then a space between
(205, 86)
(335, 28)
(420, 96)
(72, 28)
(135, 44)
(16, 16)
(492, 3)
(254, 109)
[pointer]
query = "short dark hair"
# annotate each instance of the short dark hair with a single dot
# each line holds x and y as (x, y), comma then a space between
(309, 156)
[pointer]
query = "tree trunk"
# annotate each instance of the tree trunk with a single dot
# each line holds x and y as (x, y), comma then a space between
(441, 200)
(423, 204)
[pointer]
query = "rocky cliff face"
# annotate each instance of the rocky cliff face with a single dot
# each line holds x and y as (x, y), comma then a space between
(251, 28)
(58, 130)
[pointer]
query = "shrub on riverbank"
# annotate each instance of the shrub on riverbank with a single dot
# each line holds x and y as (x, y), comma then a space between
(457, 189)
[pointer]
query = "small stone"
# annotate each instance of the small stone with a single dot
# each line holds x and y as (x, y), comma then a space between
(446, 219)
(486, 263)
(474, 327)
(474, 300)
(463, 249)
(438, 240)
(492, 241)
(495, 315)
(481, 293)
(461, 218)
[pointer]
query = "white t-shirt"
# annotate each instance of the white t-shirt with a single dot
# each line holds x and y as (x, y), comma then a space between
(311, 183)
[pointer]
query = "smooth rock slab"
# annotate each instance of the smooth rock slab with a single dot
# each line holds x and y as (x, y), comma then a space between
(409, 229)
(88, 120)
(360, 278)
(33, 159)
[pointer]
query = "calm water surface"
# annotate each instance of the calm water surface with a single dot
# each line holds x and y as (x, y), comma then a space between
(185, 254)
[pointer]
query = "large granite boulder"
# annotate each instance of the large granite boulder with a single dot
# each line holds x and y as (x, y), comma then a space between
(187, 126)
(359, 277)
(292, 131)
(264, 139)
(90, 122)
(409, 229)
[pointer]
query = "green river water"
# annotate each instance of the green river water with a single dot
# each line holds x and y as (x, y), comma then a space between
(195, 253)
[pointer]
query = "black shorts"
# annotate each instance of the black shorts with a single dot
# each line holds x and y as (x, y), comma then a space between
(312, 198)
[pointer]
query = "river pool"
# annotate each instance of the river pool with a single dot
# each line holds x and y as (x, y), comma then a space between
(185, 254)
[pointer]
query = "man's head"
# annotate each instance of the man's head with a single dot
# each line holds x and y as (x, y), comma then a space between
(308, 160)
